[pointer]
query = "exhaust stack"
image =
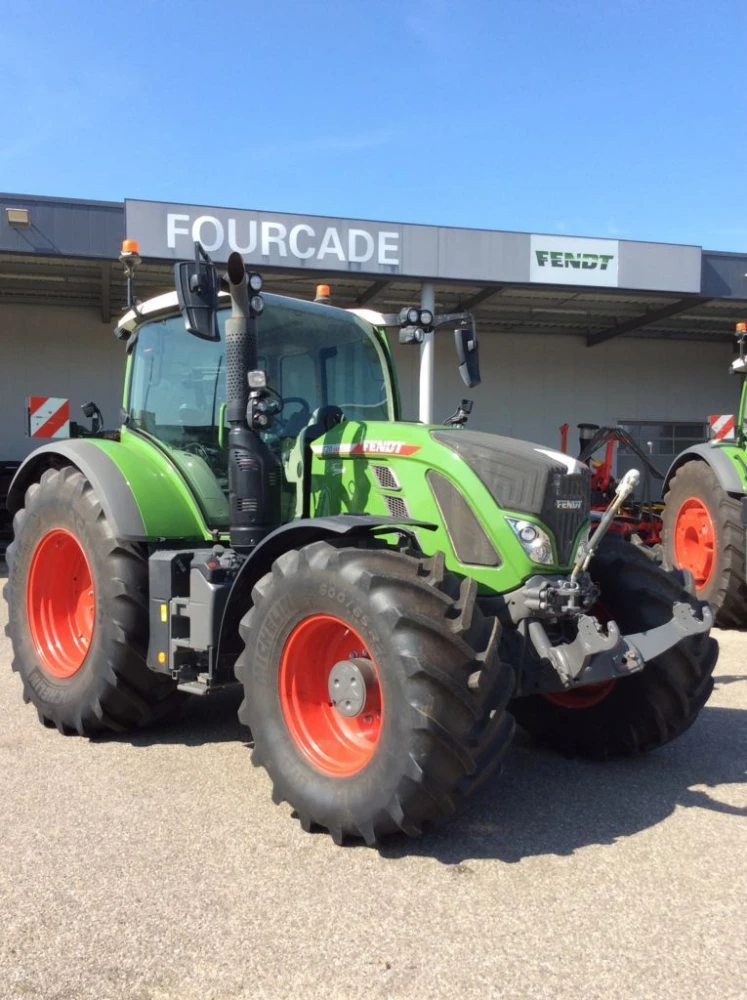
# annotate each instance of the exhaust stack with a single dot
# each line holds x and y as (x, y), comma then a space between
(253, 470)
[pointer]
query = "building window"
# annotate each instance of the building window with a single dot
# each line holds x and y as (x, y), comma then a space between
(660, 441)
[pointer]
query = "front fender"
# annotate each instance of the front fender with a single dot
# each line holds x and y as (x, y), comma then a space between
(296, 535)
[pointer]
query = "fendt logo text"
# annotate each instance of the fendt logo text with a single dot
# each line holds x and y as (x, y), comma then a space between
(585, 261)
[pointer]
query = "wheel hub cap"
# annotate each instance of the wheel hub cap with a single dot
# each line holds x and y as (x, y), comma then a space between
(349, 684)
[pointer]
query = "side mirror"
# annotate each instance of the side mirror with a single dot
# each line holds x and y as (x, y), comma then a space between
(468, 355)
(197, 292)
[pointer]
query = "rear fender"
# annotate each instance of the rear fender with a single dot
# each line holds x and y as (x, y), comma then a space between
(723, 462)
(100, 470)
(142, 494)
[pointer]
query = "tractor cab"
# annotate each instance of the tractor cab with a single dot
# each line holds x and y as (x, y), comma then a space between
(319, 361)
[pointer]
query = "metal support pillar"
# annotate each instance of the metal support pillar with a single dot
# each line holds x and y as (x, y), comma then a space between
(427, 358)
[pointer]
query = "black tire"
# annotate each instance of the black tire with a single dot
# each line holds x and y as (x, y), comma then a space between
(647, 709)
(726, 590)
(444, 689)
(113, 689)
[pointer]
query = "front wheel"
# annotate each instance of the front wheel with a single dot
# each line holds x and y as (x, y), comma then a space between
(373, 689)
(648, 709)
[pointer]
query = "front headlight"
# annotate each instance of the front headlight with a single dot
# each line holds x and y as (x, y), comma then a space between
(534, 540)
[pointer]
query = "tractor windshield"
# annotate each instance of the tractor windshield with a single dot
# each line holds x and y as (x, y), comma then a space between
(313, 356)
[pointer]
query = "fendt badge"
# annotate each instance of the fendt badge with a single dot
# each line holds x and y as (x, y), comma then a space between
(568, 504)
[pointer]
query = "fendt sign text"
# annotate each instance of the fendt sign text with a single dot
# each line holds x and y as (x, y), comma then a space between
(574, 261)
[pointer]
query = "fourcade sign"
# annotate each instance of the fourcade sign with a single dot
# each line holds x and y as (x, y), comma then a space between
(273, 239)
(436, 253)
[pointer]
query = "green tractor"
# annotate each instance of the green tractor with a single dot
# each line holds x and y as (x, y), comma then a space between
(390, 595)
(705, 513)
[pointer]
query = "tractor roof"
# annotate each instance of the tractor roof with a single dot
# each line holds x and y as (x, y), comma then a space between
(168, 303)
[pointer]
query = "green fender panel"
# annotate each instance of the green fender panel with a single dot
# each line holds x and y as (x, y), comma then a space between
(727, 461)
(143, 495)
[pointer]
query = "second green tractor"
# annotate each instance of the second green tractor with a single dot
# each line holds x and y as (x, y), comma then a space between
(705, 512)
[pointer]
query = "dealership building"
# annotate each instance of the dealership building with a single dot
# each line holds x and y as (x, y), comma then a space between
(572, 329)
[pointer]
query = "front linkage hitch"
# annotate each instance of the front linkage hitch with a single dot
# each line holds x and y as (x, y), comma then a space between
(598, 652)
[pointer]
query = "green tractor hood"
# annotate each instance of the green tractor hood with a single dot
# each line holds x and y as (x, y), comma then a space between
(475, 486)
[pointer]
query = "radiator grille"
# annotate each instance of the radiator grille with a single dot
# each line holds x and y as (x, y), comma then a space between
(560, 513)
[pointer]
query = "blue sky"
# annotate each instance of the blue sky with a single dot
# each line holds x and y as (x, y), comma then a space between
(594, 117)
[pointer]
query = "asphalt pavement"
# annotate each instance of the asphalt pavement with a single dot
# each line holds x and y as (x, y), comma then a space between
(155, 867)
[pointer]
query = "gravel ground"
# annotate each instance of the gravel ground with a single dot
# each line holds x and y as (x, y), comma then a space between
(155, 867)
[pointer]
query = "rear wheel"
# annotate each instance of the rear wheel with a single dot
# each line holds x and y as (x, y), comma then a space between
(703, 533)
(637, 713)
(78, 612)
(373, 689)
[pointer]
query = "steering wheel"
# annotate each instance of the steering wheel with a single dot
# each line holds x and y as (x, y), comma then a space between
(281, 422)
(196, 448)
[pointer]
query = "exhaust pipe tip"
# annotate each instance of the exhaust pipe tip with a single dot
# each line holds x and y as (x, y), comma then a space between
(236, 269)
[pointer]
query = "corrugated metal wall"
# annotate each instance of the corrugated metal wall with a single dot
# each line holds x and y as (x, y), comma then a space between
(47, 351)
(531, 385)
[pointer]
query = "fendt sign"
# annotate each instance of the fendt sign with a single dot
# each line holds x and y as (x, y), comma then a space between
(430, 253)
(574, 261)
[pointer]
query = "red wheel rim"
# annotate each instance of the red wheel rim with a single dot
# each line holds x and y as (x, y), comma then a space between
(583, 697)
(333, 743)
(60, 603)
(695, 541)
(591, 694)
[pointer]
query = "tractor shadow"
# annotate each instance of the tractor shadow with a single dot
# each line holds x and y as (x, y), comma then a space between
(200, 720)
(544, 804)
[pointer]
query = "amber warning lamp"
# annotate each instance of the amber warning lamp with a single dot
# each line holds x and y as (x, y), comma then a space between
(130, 258)
(323, 294)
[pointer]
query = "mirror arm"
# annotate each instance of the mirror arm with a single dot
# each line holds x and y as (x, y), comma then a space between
(457, 317)
(392, 320)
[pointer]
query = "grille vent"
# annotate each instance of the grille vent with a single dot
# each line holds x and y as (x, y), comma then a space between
(396, 506)
(386, 477)
(246, 462)
(246, 505)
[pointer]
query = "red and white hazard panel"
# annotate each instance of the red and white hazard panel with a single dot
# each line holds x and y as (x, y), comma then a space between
(722, 426)
(48, 417)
